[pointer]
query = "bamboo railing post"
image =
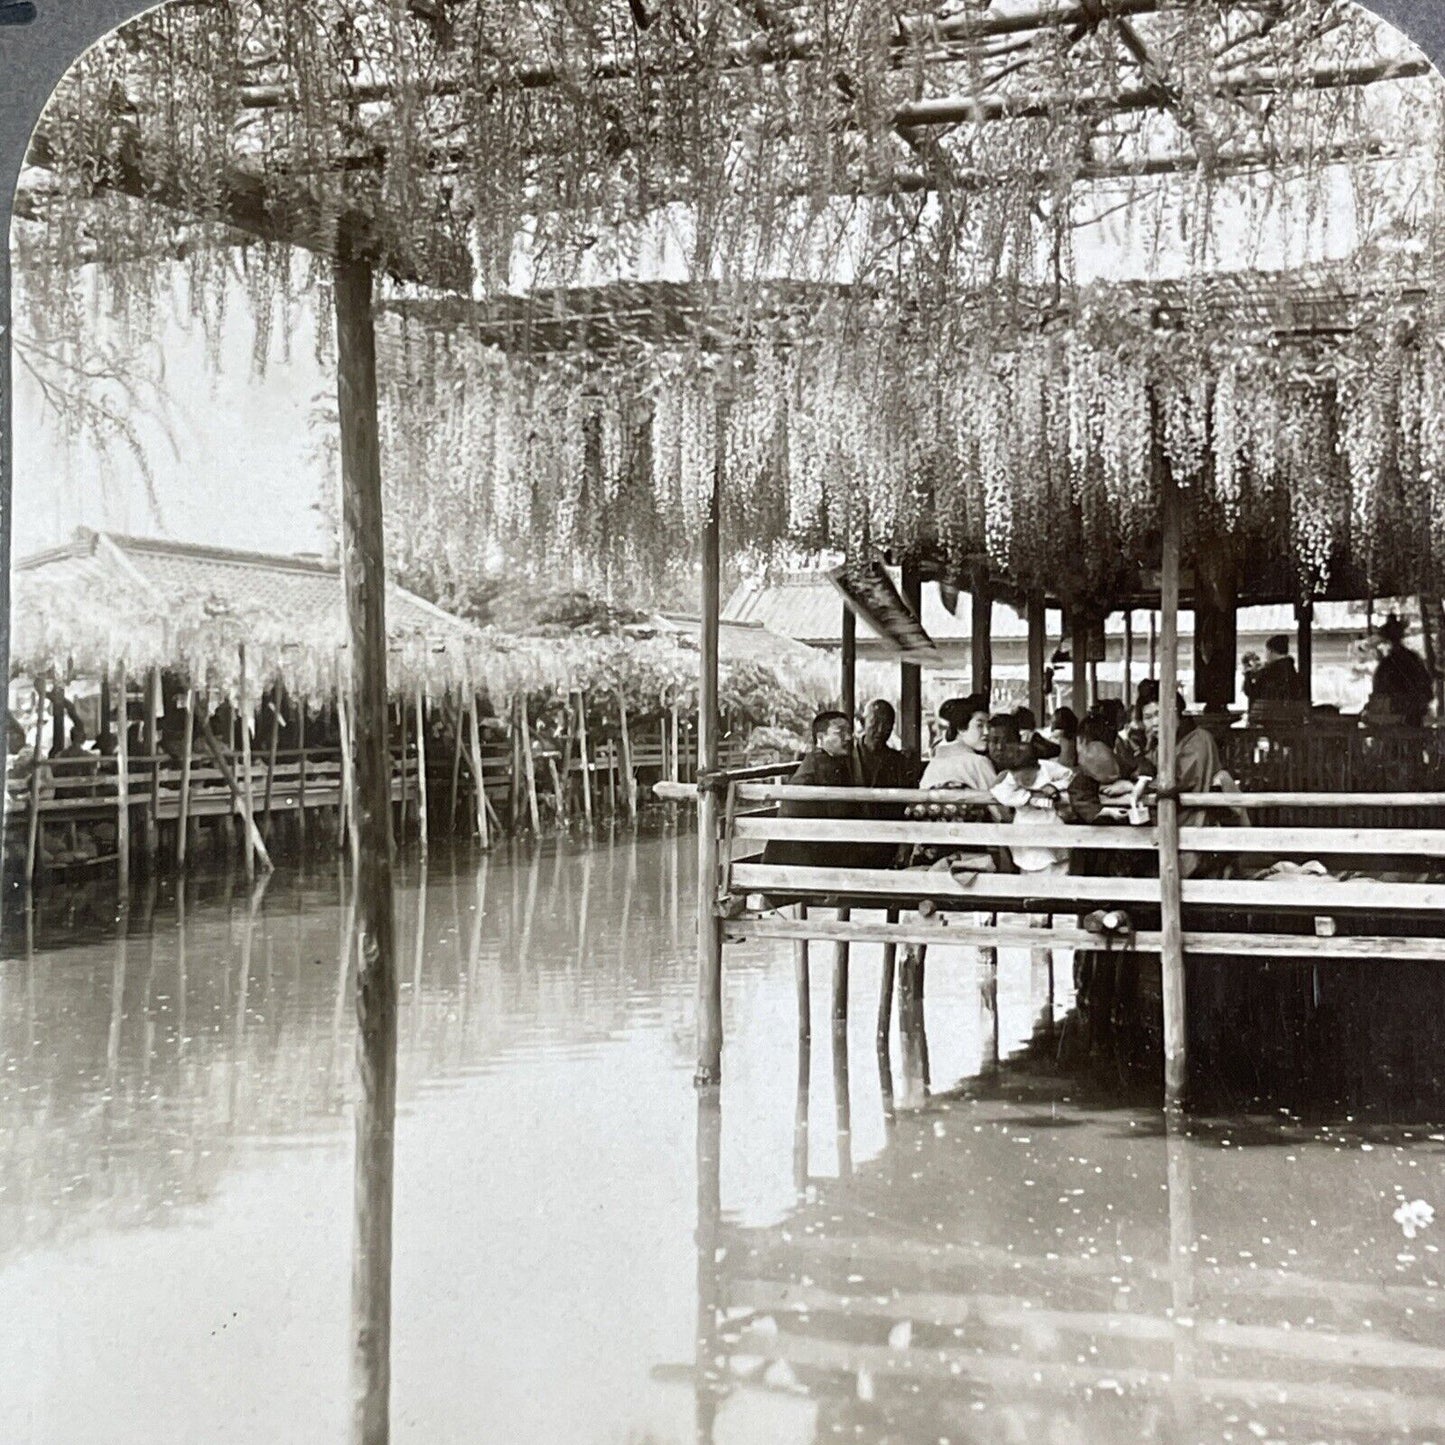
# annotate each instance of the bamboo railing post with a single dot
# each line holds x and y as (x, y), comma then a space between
(423, 822)
(32, 826)
(376, 981)
(484, 833)
(529, 768)
(584, 756)
(271, 756)
(709, 925)
(247, 790)
(981, 636)
(187, 745)
(1171, 913)
(122, 791)
(629, 778)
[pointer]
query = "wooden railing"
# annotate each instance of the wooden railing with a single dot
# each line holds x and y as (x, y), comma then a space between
(1222, 915)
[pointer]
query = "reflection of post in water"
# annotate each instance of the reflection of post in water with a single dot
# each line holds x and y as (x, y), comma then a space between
(30, 989)
(243, 987)
(1184, 1394)
(117, 997)
(800, 1113)
(534, 874)
(708, 1371)
(629, 882)
(418, 951)
(672, 887)
(913, 1050)
(842, 1102)
(583, 906)
(988, 1009)
(1041, 988)
(474, 950)
(346, 944)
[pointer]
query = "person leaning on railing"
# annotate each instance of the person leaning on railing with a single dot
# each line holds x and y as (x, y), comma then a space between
(961, 763)
(880, 765)
(827, 764)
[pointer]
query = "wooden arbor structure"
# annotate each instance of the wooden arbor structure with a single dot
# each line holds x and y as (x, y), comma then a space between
(422, 144)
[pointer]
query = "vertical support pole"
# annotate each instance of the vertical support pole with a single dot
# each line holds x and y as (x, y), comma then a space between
(187, 747)
(980, 636)
(57, 715)
(151, 740)
(458, 739)
(376, 985)
(1128, 656)
(1304, 616)
(710, 1387)
(584, 754)
(1037, 621)
(301, 770)
(629, 778)
(1079, 651)
(7, 419)
(534, 811)
(402, 728)
(840, 974)
(275, 743)
(709, 930)
(848, 665)
(802, 979)
(423, 821)
(885, 990)
(247, 794)
(910, 676)
(32, 823)
(1153, 645)
(106, 711)
(1172, 926)
(122, 792)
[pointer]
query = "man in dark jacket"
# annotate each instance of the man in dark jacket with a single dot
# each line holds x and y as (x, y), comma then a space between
(1274, 687)
(1403, 689)
(880, 765)
(827, 765)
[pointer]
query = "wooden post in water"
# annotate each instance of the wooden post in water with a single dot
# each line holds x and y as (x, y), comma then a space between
(886, 986)
(423, 822)
(529, 766)
(848, 692)
(629, 778)
(402, 729)
(802, 980)
(187, 746)
(709, 929)
(301, 771)
(376, 983)
(1036, 618)
(980, 636)
(247, 795)
(1171, 911)
(842, 1100)
(840, 974)
(1304, 616)
(122, 791)
(239, 799)
(346, 812)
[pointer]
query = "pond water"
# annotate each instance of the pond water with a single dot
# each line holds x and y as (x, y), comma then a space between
(839, 1249)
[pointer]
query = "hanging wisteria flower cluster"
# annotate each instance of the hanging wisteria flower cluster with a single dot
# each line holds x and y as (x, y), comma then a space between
(1030, 452)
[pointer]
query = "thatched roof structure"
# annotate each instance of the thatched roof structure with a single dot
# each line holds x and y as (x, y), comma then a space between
(101, 600)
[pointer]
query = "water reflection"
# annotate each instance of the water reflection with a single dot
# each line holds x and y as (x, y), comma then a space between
(944, 1238)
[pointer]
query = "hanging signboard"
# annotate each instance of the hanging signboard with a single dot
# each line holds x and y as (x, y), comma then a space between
(870, 592)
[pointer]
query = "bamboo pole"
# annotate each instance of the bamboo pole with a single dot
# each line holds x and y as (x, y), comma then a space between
(676, 752)
(483, 830)
(629, 778)
(456, 764)
(32, 832)
(1079, 651)
(423, 822)
(800, 1113)
(122, 791)
(529, 768)
(709, 930)
(301, 770)
(187, 744)
(1153, 645)
(402, 728)
(885, 989)
(271, 757)
(1171, 914)
(346, 810)
(1304, 613)
(247, 790)
(238, 798)
(1128, 656)
(376, 981)
(910, 675)
(840, 973)
(842, 1100)
(584, 756)
(514, 783)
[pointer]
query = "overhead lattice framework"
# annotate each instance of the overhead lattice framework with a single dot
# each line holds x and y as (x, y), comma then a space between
(890, 214)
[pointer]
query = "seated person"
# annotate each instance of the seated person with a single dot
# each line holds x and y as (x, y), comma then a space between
(1005, 748)
(828, 764)
(74, 761)
(1274, 687)
(963, 765)
(1097, 783)
(1034, 791)
(881, 765)
(1064, 733)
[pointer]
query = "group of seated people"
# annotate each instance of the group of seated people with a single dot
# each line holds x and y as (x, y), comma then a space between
(998, 767)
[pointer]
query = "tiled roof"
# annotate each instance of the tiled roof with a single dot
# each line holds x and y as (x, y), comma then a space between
(805, 605)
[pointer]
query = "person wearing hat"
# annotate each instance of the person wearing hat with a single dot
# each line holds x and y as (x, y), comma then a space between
(1403, 688)
(1274, 686)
